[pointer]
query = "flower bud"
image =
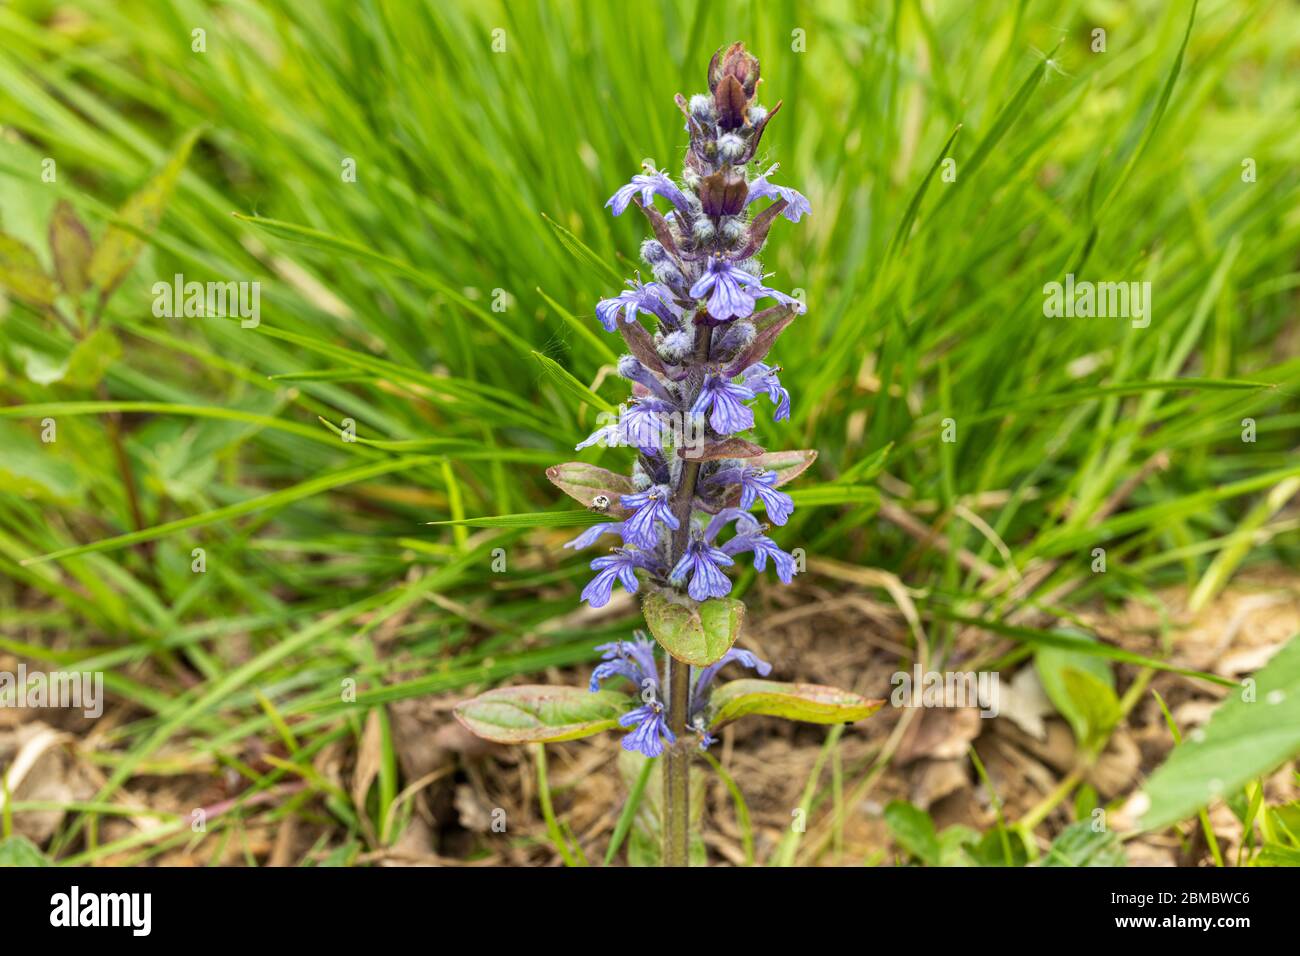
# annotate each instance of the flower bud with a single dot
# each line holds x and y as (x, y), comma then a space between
(731, 228)
(730, 148)
(668, 273)
(701, 108)
(733, 78)
(652, 252)
(738, 335)
(629, 367)
(735, 63)
(675, 346)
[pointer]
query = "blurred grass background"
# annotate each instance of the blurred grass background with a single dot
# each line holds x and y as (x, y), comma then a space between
(481, 177)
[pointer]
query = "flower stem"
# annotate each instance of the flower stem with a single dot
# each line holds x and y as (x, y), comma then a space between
(677, 758)
(677, 768)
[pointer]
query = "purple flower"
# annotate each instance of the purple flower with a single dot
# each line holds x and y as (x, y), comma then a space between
(634, 371)
(650, 298)
(729, 415)
(644, 425)
(702, 561)
(700, 690)
(641, 426)
(758, 484)
(590, 536)
(652, 505)
(745, 522)
(762, 484)
(763, 378)
(765, 292)
(634, 660)
(797, 205)
(649, 184)
(763, 547)
(728, 290)
(649, 729)
(620, 566)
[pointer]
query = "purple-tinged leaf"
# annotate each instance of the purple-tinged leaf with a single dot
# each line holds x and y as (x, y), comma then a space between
(533, 714)
(757, 350)
(659, 225)
(730, 101)
(758, 132)
(788, 465)
(723, 193)
(642, 346)
(717, 451)
(810, 703)
(758, 229)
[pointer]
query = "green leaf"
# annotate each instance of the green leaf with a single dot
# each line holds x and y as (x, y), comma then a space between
(526, 519)
(810, 703)
(583, 483)
(913, 830)
(1095, 704)
(582, 328)
(31, 469)
(999, 847)
(92, 358)
(953, 843)
(534, 714)
(1081, 687)
(1244, 739)
(629, 811)
(136, 221)
(22, 274)
(693, 633)
(867, 468)
(905, 224)
(41, 367)
(71, 248)
(1277, 855)
(17, 850)
(1080, 845)
(561, 376)
(836, 494)
(274, 499)
(581, 250)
